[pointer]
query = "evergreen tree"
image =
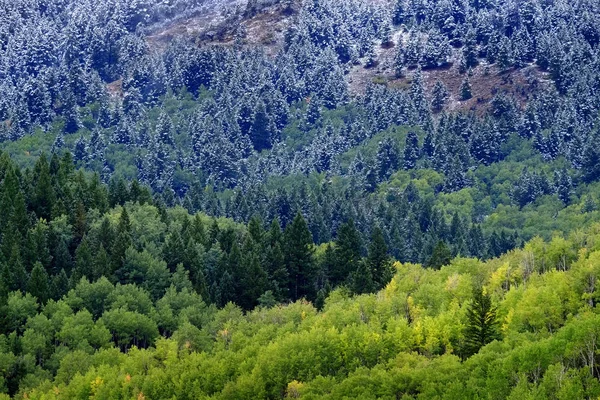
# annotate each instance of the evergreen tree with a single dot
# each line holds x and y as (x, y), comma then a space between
(43, 191)
(388, 158)
(298, 255)
(563, 185)
(260, 131)
(482, 323)
(378, 259)
(441, 256)
(348, 249)
(465, 89)
(60, 285)
(39, 283)
(122, 240)
(84, 261)
(411, 151)
(361, 280)
(439, 96)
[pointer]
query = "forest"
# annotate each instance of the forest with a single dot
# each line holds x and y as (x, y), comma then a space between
(299, 199)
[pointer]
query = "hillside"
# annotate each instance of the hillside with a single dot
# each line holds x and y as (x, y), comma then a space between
(299, 199)
(410, 340)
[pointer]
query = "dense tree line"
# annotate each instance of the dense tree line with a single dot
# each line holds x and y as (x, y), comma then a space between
(469, 328)
(216, 128)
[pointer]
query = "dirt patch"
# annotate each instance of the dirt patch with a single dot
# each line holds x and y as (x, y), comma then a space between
(486, 80)
(215, 26)
(115, 89)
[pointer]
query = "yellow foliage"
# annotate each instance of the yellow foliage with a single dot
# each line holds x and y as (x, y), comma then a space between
(293, 389)
(505, 277)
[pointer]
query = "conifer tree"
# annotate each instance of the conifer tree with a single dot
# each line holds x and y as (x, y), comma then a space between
(60, 285)
(465, 89)
(298, 255)
(441, 256)
(482, 325)
(348, 249)
(411, 151)
(361, 280)
(39, 283)
(378, 259)
(439, 96)
(122, 240)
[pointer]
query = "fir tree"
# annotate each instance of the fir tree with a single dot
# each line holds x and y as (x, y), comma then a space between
(298, 254)
(361, 280)
(411, 151)
(465, 89)
(439, 96)
(378, 259)
(482, 325)
(348, 249)
(441, 256)
(39, 285)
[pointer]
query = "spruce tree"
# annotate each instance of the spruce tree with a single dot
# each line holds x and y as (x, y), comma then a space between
(361, 280)
(465, 89)
(482, 325)
(378, 259)
(84, 260)
(60, 285)
(439, 96)
(348, 247)
(411, 151)
(441, 256)
(39, 283)
(122, 240)
(298, 255)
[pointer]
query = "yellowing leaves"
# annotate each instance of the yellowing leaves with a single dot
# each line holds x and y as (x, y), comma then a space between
(293, 389)
(96, 384)
(505, 277)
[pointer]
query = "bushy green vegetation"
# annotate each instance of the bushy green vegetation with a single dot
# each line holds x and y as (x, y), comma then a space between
(413, 339)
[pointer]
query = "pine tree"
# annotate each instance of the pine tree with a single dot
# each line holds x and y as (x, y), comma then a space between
(348, 249)
(361, 280)
(298, 254)
(563, 185)
(439, 96)
(378, 259)
(482, 323)
(260, 130)
(62, 258)
(60, 285)
(388, 158)
(589, 204)
(465, 89)
(39, 283)
(275, 262)
(165, 129)
(84, 260)
(253, 278)
(411, 151)
(441, 256)
(122, 240)
(44, 196)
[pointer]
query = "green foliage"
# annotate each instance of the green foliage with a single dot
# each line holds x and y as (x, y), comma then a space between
(482, 324)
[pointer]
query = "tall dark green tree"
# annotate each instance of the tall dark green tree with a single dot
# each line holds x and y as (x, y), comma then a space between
(442, 255)
(482, 323)
(378, 259)
(361, 280)
(39, 283)
(43, 196)
(298, 255)
(122, 240)
(411, 151)
(348, 248)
